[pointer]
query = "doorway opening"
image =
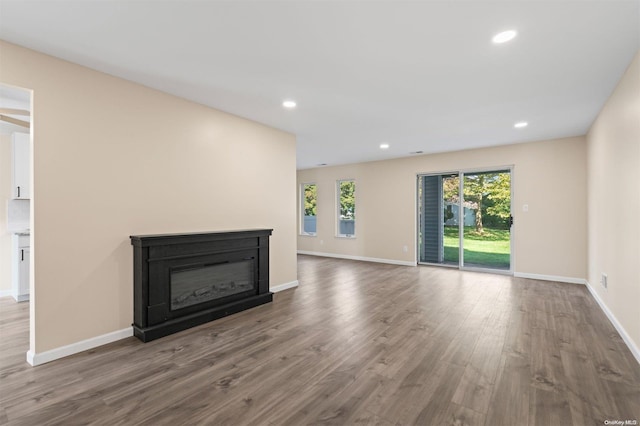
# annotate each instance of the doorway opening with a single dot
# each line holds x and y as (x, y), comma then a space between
(464, 219)
(16, 222)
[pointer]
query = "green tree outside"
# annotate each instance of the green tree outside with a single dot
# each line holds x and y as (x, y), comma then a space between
(490, 192)
(347, 199)
(310, 199)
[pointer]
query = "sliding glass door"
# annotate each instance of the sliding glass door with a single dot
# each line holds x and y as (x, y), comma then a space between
(487, 237)
(438, 240)
(464, 219)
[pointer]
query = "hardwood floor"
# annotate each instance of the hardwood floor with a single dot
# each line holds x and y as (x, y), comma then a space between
(356, 343)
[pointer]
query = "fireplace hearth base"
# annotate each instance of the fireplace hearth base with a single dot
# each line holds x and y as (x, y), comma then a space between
(148, 334)
(184, 280)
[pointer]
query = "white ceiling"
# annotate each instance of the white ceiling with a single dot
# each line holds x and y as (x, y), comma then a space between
(421, 76)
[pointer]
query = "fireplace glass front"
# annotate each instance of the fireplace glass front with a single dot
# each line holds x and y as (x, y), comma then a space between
(195, 285)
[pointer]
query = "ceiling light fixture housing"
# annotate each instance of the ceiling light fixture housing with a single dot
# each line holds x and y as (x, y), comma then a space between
(521, 124)
(504, 36)
(289, 104)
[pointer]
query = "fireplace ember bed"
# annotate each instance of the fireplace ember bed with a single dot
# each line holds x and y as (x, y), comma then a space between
(184, 280)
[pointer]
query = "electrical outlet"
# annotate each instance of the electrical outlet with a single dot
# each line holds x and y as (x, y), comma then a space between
(603, 280)
(405, 249)
(321, 242)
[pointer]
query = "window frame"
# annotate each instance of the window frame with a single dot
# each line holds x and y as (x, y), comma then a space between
(302, 232)
(338, 208)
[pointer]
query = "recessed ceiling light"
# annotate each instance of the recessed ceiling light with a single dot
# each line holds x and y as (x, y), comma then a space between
(520, 124)
(504, 36)
(322, 164)
(289, 104)
(384, 146)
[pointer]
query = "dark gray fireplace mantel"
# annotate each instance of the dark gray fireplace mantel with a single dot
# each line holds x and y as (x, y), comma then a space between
(209, 260)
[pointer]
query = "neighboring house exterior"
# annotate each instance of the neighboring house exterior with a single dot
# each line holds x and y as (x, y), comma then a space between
(452, 212)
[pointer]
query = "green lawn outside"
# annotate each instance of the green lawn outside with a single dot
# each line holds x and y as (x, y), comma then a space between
(490, 250)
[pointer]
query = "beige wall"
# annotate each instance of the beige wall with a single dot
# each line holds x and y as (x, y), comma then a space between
(5, 194)
(112, 159)
(614, 202)
(549, 176)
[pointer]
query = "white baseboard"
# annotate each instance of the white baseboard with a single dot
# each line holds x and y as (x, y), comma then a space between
(84, 345)
(570, 280)
(362, 258)
(11, 293)
(20, 298)
(74, 348)
(283, 287)
(623, 333)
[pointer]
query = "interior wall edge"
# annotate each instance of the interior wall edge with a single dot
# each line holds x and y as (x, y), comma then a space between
(635, 351)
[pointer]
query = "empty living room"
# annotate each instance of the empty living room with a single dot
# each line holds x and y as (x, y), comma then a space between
(320, 212)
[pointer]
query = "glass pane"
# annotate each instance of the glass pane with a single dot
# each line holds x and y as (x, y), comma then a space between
(437, 214)
(451, 213)
(202, 284)
(309, 206)
(430, 219)
(347, 213)
(487, 220)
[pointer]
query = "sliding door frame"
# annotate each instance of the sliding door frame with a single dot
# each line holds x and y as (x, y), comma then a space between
(461, 174)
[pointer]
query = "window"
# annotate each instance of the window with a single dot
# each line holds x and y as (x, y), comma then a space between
(346, 208)
(308, 208)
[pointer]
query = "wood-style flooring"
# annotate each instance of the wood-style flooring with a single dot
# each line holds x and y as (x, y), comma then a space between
(355, 343)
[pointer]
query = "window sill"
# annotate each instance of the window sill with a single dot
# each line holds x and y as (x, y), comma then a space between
(308, 235)
(346, 237)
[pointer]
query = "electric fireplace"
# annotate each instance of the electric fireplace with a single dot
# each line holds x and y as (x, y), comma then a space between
(184, 280)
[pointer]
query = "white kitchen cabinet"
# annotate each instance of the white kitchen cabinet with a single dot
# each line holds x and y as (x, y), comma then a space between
(21, 165)
(21, 254)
